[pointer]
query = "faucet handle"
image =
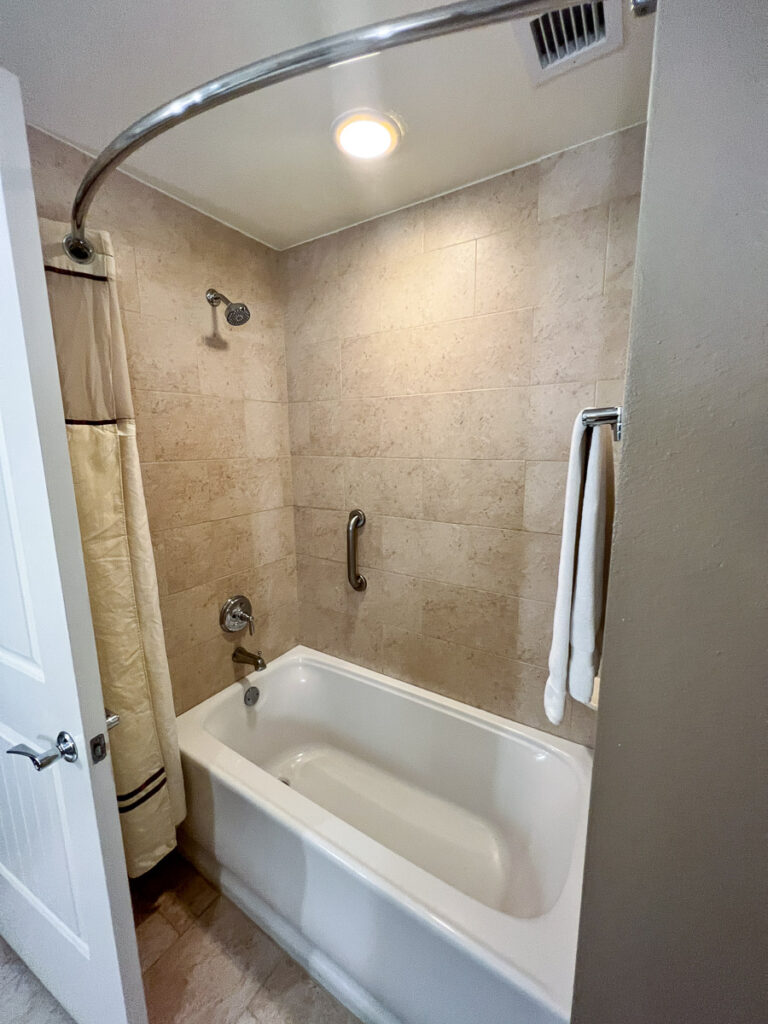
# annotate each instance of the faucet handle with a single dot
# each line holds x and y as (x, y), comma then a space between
(236, 613)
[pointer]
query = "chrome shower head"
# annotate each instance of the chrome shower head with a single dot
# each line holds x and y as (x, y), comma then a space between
(236, 313)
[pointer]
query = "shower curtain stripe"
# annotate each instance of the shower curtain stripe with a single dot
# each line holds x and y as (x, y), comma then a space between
(117, 548)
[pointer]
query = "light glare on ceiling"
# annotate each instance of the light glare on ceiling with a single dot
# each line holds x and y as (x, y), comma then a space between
(366, 135)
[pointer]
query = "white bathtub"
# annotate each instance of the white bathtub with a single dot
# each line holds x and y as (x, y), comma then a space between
(421, 858)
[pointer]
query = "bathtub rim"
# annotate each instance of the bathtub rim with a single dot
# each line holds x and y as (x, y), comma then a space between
(362, 855)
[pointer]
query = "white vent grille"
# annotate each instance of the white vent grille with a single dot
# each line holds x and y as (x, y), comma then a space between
(560, 34)
(568, 36)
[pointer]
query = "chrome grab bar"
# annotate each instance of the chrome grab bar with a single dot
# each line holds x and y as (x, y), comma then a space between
(355, 523)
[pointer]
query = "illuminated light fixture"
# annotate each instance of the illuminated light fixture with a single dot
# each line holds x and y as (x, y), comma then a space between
(366, 135)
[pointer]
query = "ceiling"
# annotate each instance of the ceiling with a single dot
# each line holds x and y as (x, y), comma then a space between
(266, 163)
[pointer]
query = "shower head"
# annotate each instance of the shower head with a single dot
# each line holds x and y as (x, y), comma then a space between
(236, 313)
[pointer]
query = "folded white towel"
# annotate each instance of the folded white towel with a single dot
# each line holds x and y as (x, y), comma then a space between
(577, 632)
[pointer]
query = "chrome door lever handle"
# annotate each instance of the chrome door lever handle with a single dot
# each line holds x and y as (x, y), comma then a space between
(65, 748)
(112, 718)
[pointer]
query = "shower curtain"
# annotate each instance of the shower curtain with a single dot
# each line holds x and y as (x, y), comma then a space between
(119, 563)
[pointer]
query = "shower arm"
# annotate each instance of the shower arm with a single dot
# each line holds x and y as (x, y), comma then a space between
(322, 53)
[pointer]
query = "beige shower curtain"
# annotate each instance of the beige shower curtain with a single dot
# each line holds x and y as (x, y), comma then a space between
(119, 563)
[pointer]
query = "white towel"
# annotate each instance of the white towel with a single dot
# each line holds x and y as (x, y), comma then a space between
(577, 632)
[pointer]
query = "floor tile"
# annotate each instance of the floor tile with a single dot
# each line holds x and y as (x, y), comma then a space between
(174, 888)
(154, 935)
(213, 971)
(290, 996)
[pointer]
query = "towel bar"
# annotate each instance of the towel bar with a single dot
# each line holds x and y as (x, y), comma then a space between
(610, 416)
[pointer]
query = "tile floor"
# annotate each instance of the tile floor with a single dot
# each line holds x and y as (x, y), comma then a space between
(204, 962)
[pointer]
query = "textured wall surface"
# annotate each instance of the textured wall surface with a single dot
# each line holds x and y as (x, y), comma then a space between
(211, 415)
(673, 917)
(436, 360)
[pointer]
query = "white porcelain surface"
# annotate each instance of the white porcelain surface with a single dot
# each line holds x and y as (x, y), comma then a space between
(425, 858)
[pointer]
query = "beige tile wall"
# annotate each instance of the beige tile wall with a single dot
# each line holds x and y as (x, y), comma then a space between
(429, 365)
(211, 414)
(436, 359)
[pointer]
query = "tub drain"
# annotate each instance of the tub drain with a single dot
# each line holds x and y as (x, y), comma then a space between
(285, 782)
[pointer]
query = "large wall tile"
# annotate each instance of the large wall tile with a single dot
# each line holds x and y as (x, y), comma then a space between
(246, 365)
(314, 370)
(540, 562)
(176, 493)
(272, 535)
(507, 267)
(534, 633)
(389, 597)
(162, 354)
(474, 424)
(127, 279)
(172, 286)
(609, 392)
(428, 288)
(484, 492)
(553, 409)
(341, 635)
(592, 174)
(322, 534)
(474, 618)
(571, 256)
(310, 276)
(351, 427)
(482, 558)
(145, 430)
(454, 670)
(484, 209)
(544, 496)
(189, 427)
(379, 364)
(461, 355)
(392, 487)
(266, 433)
(585, 339)
(383, 241)
(622, 242)
(206, 551)
(238, 486)
(318, 482)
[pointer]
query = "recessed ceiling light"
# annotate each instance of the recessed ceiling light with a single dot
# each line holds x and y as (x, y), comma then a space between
(366, 134)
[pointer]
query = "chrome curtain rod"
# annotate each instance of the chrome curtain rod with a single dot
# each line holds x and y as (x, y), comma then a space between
(358, 42)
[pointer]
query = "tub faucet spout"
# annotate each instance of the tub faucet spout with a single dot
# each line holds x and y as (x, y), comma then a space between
(242, 657)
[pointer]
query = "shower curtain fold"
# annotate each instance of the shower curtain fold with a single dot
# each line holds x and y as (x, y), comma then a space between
(117, 547)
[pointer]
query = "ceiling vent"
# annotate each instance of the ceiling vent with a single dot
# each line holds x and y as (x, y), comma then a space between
(569, 36)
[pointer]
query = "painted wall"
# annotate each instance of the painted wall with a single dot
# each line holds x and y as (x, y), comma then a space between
(211, 415)
(673, 919)
(436, 360)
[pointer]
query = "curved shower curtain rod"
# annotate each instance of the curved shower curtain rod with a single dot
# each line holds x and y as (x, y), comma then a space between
(358, 42)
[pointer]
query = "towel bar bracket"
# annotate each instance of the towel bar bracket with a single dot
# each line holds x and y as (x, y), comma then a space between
(609, 416)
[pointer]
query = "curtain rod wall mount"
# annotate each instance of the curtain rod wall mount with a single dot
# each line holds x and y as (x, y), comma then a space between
(383, 35)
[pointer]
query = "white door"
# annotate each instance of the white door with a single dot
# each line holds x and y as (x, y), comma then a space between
(64, 902)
